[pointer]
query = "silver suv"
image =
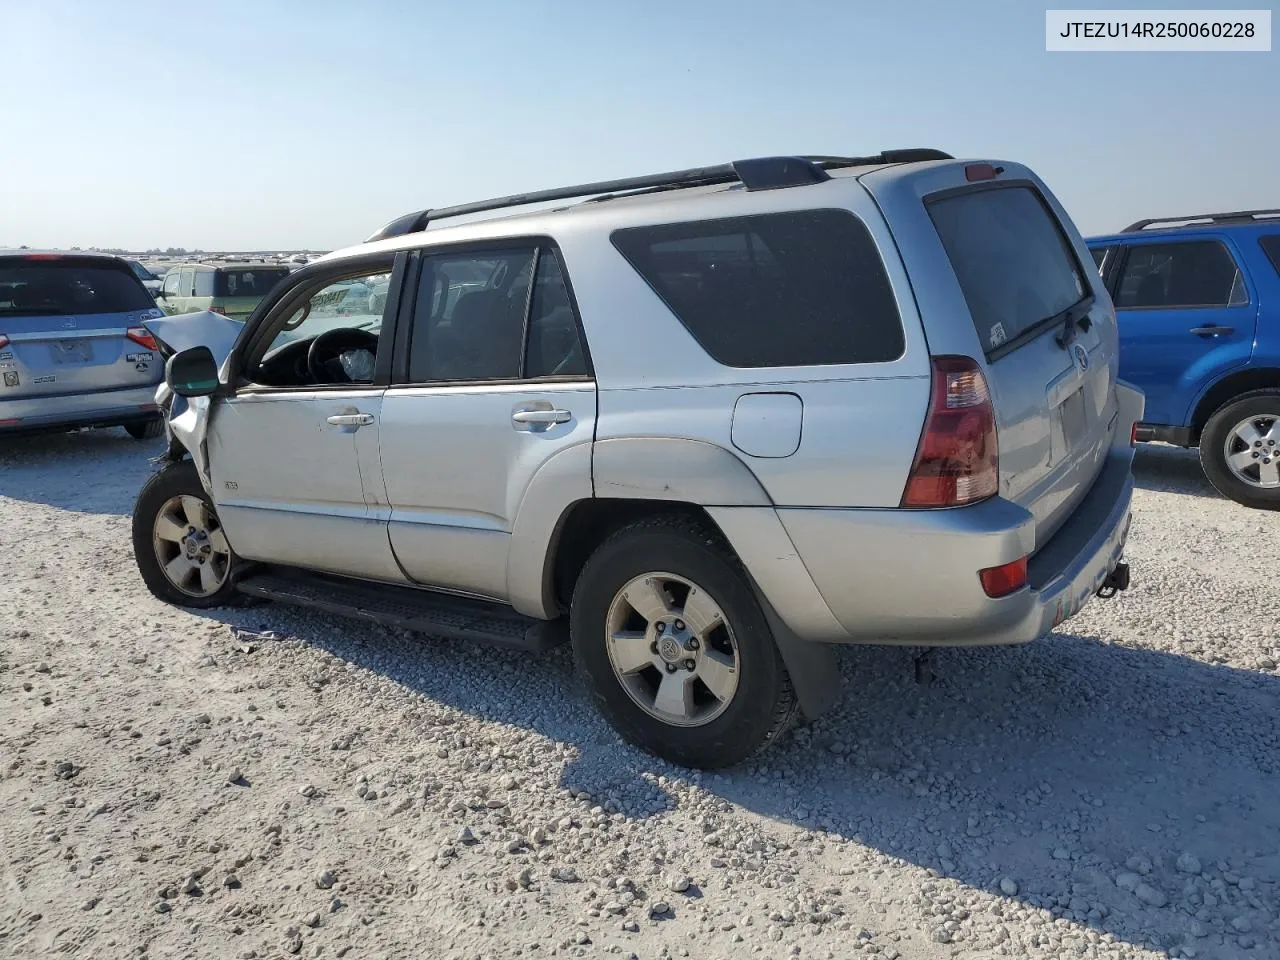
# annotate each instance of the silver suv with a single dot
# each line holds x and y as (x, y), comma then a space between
(704, 424)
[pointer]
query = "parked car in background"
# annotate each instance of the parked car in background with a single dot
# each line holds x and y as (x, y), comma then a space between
(232, 289)
(149, 280)
(1198, 304)
(73, 350)
(706, 425)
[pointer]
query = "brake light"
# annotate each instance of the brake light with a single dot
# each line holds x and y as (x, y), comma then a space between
(214, 308)
(43, 256)
(4, 341)
(1005, 579)
(142, 337)
(981, 171)
(957, 461)
(1133, 430)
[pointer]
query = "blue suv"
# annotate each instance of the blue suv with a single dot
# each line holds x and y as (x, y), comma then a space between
(1198, 304)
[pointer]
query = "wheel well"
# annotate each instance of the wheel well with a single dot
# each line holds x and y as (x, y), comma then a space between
(588, 523)
(1227, 388)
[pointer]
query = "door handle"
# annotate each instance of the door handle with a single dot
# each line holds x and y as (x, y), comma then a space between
(542, 416)
(350, 419)
(1211, 331)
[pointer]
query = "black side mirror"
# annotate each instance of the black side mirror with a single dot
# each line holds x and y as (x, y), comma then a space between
(192, 372)
(161, 295)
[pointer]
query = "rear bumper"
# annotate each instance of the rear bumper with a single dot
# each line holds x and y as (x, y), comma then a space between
(911, 576)
(102, 408)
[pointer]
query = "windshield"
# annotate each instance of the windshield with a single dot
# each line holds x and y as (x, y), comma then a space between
(1013, 262)
(141, 272)
(68, 286)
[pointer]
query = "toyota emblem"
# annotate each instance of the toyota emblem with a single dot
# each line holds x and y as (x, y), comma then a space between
(1082, 357)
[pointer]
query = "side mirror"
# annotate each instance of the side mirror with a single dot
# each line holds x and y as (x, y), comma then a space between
(192, 372)
(161, 295)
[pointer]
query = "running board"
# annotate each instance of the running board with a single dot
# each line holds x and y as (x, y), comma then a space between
(409, 608)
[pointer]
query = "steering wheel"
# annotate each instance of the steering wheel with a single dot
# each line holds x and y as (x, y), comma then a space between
(326, 348)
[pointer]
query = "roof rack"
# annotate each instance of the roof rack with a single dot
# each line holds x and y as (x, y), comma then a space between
(760, 173)
(1239, 216)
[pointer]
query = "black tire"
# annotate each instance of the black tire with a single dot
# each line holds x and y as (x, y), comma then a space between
(764, 702)
(175, 480)
(147, 430)
(1262, 404)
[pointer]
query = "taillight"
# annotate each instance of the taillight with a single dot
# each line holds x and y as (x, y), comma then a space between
(217, 309)
(142, 337)
(4, 341)
(1005, 579)
(1133, 431)
(957, 460)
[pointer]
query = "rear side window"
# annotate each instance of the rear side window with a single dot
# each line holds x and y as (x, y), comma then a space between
(1016, 269)
(1271, 247)
(35, 288)
(802, 288)
(1194, 273)
(247, 283)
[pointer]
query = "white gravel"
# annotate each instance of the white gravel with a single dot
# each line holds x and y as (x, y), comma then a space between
(1109, 792)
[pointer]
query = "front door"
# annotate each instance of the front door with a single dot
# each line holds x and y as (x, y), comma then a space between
(1186, 315)
(493, 384)
(293, 455)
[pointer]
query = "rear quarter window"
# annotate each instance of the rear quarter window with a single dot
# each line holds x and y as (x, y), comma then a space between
(1014, 264)
(247, 283)
(802, 288)
(1271, 247)
(69, 286)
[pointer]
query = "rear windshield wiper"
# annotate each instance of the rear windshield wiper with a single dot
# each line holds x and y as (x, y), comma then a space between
(1076, 314)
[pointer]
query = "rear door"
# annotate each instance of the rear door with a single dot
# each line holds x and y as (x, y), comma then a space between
(1187, 313)
(72, 325)
(999, 258)
(492, 382)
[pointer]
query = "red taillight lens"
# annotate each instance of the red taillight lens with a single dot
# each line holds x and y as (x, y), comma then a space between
(1003, 580)
(957, 461)
(140, 336)
(4, 341)
(217, 309)
(1133, 431)
(979, 171)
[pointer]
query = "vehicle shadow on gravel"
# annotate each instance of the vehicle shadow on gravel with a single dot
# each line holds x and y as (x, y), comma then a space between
(1058, 767)
(90, 471)
(1158, 466)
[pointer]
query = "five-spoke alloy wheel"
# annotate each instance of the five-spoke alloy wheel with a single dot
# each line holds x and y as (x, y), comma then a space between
(1240, 449)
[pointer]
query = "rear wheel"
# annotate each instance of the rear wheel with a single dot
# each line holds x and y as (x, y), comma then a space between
(181, 551)
(1240, 449)
(676, 650)
(146, 430)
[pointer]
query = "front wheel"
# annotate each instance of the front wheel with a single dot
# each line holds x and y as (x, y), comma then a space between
(1240, 450)
(675, 648)
(178, 543)
(146, 430)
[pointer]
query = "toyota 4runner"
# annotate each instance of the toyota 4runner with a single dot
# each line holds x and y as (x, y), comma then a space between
(702, 424)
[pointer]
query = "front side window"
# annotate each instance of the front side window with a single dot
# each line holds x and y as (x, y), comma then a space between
(1195, 273)
(774, 290)
(170, 286)
(1013, 262)
(332, 337)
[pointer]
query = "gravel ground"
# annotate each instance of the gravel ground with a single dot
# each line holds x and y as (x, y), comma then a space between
(174, 788)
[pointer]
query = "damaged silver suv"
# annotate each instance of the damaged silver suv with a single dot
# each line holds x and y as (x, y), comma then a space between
(702, 424)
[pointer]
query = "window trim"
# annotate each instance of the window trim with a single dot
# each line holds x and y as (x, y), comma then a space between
(1130, 246)
(1086, 275)
(857, 218)
(541, 244)
(260, 329)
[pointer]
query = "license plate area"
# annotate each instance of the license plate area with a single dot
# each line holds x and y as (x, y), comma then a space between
(1070, 425)
(72, 351)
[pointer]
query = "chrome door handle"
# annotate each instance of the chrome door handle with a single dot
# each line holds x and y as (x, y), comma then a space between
(1211, 331)
(350, 419)
(541, 416)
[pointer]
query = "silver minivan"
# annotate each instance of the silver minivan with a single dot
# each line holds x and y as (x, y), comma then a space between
(73, 350)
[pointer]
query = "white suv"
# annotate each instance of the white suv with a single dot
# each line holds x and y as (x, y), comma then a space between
(710, 421)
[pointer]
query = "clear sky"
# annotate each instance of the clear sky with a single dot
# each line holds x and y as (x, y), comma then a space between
(309, 123)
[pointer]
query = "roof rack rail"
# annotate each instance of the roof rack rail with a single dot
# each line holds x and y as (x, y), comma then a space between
(760, 173)
(1238, 216)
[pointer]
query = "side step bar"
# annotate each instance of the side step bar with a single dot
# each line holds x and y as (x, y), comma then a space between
(409, 608)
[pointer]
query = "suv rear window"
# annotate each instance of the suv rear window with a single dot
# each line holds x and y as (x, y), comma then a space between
(1014, 264)
(69, 286)
(247, 283)
(1271, 247)
(802, 288)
